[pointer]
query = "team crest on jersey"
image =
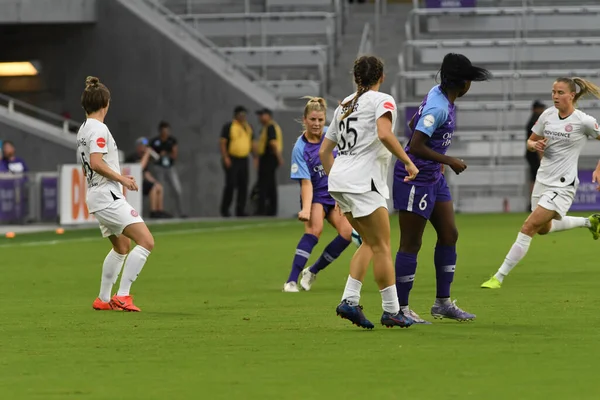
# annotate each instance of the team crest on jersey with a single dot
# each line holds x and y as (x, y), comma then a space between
(101, 142)
(388, 105)
(134, 213)
(569, 128)
(428, 120)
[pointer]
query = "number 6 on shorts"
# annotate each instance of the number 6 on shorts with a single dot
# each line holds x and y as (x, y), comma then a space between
(423, 203)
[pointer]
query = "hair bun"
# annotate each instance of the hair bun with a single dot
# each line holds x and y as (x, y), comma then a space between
(92, 81)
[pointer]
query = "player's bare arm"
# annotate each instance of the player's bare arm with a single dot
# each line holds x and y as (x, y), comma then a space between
(536, 143)
(326, 154)
(306, 193)
(98, 165)
(411, 124)
(596, 174)
(389, 140)
(418, 147)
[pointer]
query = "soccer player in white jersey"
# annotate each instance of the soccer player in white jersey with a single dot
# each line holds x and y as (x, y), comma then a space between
(119, 221)
(560, 133)
(362, 130)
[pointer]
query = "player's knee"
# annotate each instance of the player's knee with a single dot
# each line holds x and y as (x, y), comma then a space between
(147, 242)
(448, 238)
(410, 245)
(545, 229)
(315, 231)
(123, 246)
(380, 246)
(346, 232)
(530, 229)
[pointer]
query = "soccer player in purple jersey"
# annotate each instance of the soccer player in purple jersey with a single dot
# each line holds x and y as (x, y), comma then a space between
(428, 197)
(316, 202)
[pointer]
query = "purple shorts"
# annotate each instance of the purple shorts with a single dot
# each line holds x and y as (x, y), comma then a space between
(327, 202)
(420, 199)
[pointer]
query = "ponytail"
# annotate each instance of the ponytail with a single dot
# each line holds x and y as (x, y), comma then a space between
(585, 88)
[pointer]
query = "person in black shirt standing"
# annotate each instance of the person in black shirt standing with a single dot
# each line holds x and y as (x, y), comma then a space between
(270, 145)
(166, 147)
(533, 158)
(150, 186)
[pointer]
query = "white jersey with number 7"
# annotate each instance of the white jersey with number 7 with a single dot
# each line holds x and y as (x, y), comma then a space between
(362, 162)
(566, 139)
(94, 137)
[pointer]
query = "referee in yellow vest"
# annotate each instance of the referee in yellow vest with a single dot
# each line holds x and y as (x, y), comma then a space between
(270, 145)
(236, 145)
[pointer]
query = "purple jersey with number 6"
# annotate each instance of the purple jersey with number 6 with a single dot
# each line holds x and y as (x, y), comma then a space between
(436, 118)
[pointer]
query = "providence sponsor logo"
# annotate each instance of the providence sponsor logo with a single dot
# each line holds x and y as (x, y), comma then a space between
(557, 134)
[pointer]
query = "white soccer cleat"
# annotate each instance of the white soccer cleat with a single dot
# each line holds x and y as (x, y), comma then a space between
(414, 316)
(290, 287)
(308, 279)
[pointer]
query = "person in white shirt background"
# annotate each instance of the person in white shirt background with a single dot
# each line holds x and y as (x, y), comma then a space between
(560, 134)
(119, 221)
(362, 130)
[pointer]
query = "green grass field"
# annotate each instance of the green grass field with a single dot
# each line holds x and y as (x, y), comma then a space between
(215, 324)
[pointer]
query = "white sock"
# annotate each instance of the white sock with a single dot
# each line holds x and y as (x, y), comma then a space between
(567, 223)
(133, 266)
(389, 299)
(110, 272)
(516, 254)
(352, 291)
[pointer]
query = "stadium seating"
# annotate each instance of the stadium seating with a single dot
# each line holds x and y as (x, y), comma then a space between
(503, 22)
(292, 46)
(526, 48)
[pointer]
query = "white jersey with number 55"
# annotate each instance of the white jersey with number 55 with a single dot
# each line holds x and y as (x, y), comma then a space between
(94, 137)
(362, 162)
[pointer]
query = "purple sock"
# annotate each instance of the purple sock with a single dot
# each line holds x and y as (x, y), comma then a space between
(406, 266)
(445, 263)
(331, 252)
(305, 247)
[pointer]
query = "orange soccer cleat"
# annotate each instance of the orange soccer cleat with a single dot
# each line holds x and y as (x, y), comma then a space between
(124, 303)
(101, 305)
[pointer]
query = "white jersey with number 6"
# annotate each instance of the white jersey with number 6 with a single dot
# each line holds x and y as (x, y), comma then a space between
(362, 160)
(566, 138)
(94, 137)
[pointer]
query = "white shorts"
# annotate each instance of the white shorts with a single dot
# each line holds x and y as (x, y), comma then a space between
(116, 217)
(557, 199)
(359, 204)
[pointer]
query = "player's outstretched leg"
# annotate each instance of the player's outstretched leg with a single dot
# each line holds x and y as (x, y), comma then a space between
(333, 249)
(539, 221)
(567, 223)
(111, 268)
(329, 255)
(594, 227)
(140, 234)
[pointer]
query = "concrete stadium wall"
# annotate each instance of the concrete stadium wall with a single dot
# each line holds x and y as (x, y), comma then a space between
(39, 154)
(150, 80)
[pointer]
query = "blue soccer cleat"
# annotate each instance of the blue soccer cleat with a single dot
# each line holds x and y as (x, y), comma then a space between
(451, 311)
(390, 320)
(353, 314)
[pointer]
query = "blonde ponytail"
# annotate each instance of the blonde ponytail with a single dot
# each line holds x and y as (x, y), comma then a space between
(585, 88)
(314, 104)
